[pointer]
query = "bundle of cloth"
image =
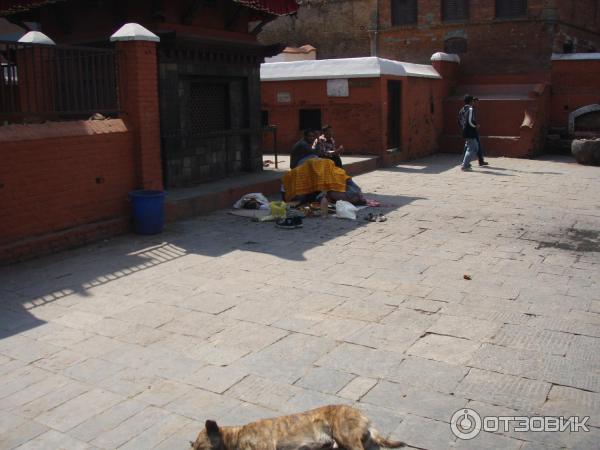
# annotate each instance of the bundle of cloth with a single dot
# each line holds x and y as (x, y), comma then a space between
(317, 177)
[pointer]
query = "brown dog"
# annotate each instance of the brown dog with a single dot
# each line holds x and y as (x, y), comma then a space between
(323, 428)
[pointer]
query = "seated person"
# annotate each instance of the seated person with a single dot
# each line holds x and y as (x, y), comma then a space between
(303, 149)
(325, 146)
(318, 179)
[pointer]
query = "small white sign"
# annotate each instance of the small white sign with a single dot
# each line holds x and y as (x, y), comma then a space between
(284, 97)
(338, 88)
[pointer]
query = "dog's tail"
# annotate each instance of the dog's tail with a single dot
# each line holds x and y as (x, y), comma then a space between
(383, 442)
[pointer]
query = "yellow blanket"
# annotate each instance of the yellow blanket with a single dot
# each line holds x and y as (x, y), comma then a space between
(314, 175)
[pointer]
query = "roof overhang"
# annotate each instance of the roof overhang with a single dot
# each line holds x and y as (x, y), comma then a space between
(369, 67)
(575, 56)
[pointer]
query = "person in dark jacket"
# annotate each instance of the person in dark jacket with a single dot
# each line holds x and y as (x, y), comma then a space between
(470, 131)
(303, 149)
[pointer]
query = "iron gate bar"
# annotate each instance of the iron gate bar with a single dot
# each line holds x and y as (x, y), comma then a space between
(75, 81)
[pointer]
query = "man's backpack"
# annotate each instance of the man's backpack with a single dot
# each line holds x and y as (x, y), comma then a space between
(463, 117)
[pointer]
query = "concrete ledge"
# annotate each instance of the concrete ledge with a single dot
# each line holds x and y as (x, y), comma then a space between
(189, 202)
(30, 132)
(575, 56)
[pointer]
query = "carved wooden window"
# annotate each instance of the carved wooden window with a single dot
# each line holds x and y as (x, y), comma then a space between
(455, 10)
(511, 8)
(209, 107)
(404, 12)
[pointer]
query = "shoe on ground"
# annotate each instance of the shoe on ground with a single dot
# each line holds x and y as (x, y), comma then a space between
(466, 169)
(288, 223)
(485, 163)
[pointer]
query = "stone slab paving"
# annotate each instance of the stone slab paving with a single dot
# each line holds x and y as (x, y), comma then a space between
(133, 342)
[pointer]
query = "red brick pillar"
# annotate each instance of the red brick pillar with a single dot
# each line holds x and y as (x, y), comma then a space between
(447, 66)
(138, 96)
(35, 70)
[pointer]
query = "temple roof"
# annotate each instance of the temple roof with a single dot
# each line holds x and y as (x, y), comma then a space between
(8, 7)
(276, 7)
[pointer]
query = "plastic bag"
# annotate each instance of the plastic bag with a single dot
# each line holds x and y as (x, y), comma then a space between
(256, 197)
(278, 209)
(345, 210)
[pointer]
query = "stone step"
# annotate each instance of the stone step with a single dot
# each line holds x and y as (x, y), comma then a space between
(183, 203)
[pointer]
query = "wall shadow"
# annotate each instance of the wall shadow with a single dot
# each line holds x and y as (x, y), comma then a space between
(40, 282)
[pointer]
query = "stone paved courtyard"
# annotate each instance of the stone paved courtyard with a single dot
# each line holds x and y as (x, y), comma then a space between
(132, 343)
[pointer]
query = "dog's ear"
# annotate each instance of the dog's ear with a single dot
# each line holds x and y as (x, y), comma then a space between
(211, 427)
(214, 434)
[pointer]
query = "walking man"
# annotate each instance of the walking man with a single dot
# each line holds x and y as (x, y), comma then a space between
(470, 131)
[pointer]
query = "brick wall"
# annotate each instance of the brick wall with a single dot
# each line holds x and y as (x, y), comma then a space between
(356, 120)
(360, 120)
(494, 45)
(63, 184)
(422, 119)
(574, 84)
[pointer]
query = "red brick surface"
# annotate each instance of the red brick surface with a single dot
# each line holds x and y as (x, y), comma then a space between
(50, 185)
(574, 84)
(360, 121)
(139, 101)
(494, 45)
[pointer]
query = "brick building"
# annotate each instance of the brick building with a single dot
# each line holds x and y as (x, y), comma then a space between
(179, 99)
(208, 71)
(509, 50)
(491, 36)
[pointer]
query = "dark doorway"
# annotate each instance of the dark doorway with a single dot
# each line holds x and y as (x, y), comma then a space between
(310, 119)
(394, 113)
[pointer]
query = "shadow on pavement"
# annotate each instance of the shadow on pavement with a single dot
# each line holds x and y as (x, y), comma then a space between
(34, 284)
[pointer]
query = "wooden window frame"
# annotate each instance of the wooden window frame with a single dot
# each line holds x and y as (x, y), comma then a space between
(446, 16)
(399, 21)
(510, 15)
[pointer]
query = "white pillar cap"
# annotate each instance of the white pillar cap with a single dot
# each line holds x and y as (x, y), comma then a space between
(134, 32)
(450, 57)
(36, 37)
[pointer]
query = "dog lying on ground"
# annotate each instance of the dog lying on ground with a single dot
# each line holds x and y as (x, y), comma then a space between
(328, 427)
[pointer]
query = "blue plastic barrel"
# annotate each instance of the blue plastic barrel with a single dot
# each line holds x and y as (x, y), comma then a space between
(148, 209)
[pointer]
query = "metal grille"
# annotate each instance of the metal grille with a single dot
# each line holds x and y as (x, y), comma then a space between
(404, 12)
(511, 8)
(209, 107)
(55, 82)
(455, 9)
